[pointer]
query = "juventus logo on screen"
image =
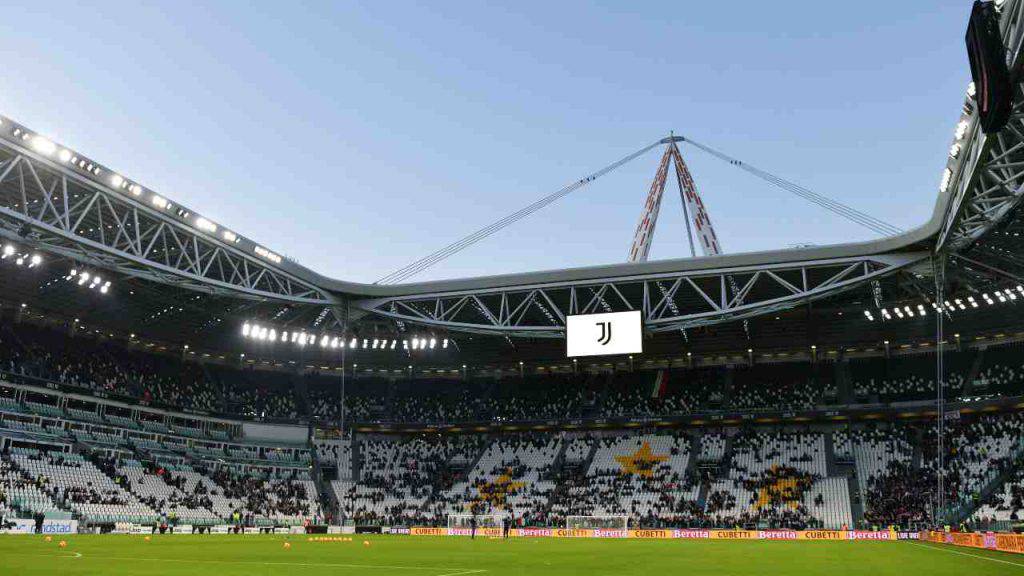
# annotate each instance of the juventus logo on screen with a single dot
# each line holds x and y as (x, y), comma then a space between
(606, 333)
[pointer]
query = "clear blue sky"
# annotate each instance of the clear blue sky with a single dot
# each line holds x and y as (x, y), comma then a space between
(357, 137)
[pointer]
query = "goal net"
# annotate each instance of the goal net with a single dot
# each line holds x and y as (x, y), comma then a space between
(465, 521)
(597, 522)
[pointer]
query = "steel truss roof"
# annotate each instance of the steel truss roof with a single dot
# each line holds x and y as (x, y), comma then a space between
(668, 301)
(72, 215)
(82, 217)
(987, 170)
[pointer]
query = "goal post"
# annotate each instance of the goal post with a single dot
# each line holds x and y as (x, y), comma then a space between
(465, 521)
(606, 522)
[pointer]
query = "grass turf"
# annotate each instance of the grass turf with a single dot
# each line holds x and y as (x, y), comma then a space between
(239, 555)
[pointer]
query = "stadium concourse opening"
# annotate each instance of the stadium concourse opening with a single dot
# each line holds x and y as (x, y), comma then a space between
(178, 398)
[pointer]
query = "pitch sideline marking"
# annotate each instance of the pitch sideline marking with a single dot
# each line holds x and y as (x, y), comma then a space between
(71, 555)
(978, 556)
(458, 572)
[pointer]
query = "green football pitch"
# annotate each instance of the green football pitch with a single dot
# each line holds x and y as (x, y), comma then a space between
(223, 555)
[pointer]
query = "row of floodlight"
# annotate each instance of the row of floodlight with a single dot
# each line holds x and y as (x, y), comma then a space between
(14, 254)
(1001, 296)
(255, 331)
(89, 280)
(47, 147)
(959, 133)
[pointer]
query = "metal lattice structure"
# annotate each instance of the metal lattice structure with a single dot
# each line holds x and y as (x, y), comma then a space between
(56, 201)
(985, 172)
(694, 214)
(668, 301)
(59, 208)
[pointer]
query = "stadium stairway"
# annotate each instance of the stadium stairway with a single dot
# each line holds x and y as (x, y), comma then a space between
(844, 382)
(590, 457)
(696, 445)
(847, 470)
(356, 458)
(476, 459)
(559, 461)
(918, 457)
(831, 466)
(726, 463)
(989, 489)
(972, 376)
(323, 488)
(218, 386)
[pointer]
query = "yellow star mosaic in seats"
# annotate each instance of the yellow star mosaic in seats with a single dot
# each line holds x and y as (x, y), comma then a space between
(641, 462)
(782, 486)
(497, 491)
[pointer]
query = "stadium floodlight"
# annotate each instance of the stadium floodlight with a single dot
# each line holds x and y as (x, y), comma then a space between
(433, 343)
(105, 288)
(8, 251)
(908, 311)
(393, 344)
(405, 344)
(366, 342)
(64, 155)
(961, 129)
(205, 225)
(971, 89)
(947, 175)
(376, 342)
(36, 260)
(159, 201)
(42, 145)
(116, 180)
(246, 328)
(352, 343)
(444, 344)
(229, 236)
(954, 150)
(899, 313)
(324, 341)
(273, 335)
(135, 189)
(973, 303)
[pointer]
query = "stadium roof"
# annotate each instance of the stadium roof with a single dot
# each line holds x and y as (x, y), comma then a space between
(179, 277)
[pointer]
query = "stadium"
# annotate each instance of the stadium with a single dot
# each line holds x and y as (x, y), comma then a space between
(178, 397)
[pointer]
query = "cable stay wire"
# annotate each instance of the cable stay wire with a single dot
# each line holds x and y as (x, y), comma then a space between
(852, 214)
(848, 212)
(455, 247)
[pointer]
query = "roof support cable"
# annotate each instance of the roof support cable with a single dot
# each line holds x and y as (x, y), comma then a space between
(467, 241)
(848, 212)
